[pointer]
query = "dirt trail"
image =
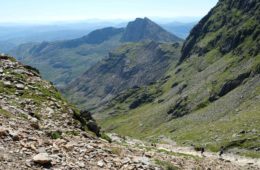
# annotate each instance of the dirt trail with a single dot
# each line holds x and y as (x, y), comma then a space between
(208, 159)
(236, 159)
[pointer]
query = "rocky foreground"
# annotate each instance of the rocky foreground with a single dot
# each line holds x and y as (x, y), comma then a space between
(40, 130)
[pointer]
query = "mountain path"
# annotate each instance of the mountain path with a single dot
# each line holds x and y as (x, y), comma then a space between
(208, 160)
(236, 159)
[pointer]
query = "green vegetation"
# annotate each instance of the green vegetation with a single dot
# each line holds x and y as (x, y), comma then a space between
(5, 113)
(106, 137)
(56, 135)
(211, 98)
(166, 165)
(72, 133)
(61, 64)
(116, 150)
(179, 154)
(137, 65)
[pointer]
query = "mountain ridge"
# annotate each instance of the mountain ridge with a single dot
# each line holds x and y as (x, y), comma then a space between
(129, 66)
(61, 61)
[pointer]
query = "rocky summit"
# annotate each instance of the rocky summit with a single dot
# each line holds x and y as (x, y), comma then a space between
(143, 29)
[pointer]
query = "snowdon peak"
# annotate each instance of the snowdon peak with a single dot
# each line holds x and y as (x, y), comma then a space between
(142, 29)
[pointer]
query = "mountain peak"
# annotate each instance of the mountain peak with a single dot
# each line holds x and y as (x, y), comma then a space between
(142, 29)
(145, 19)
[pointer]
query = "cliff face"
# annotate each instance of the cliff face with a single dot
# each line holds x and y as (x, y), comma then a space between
(237, 31)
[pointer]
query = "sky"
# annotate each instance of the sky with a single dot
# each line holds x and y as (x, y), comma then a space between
(23, 11)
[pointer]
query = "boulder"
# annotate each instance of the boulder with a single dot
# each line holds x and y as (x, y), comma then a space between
(92, 126)
(42, 158)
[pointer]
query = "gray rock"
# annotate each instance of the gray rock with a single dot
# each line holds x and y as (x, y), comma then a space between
(100, 163)
(20, 86)
(7, 83)
(42, 158)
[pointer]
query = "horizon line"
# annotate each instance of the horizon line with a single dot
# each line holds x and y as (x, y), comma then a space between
(186, 19)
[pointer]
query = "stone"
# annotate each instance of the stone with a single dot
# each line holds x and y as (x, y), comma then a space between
(100, 163)
(7, 83)
(42, 158)
(35, 125)
(70, 145)
(3, 132)
(81, 164)
(14, 135)
(19, 86)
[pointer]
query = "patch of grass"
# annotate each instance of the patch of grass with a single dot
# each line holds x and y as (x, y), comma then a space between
(106, 137)
(178, 154)
(5, 113)
(116, 150)
(166, 165)
(251, 154)
(72, 133)
(56, 135)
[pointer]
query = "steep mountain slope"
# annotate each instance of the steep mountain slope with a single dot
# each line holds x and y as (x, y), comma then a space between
(145, 29)
(211, 98)
(38, 130)
(62, 61)
(130, 66)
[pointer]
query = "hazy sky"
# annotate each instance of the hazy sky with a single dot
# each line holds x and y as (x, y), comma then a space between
(67, 10)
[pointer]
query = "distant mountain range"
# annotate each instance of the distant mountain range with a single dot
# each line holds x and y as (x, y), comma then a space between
(61, 61)
(14, 35)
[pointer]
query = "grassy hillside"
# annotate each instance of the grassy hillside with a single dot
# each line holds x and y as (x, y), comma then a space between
(211, 98)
